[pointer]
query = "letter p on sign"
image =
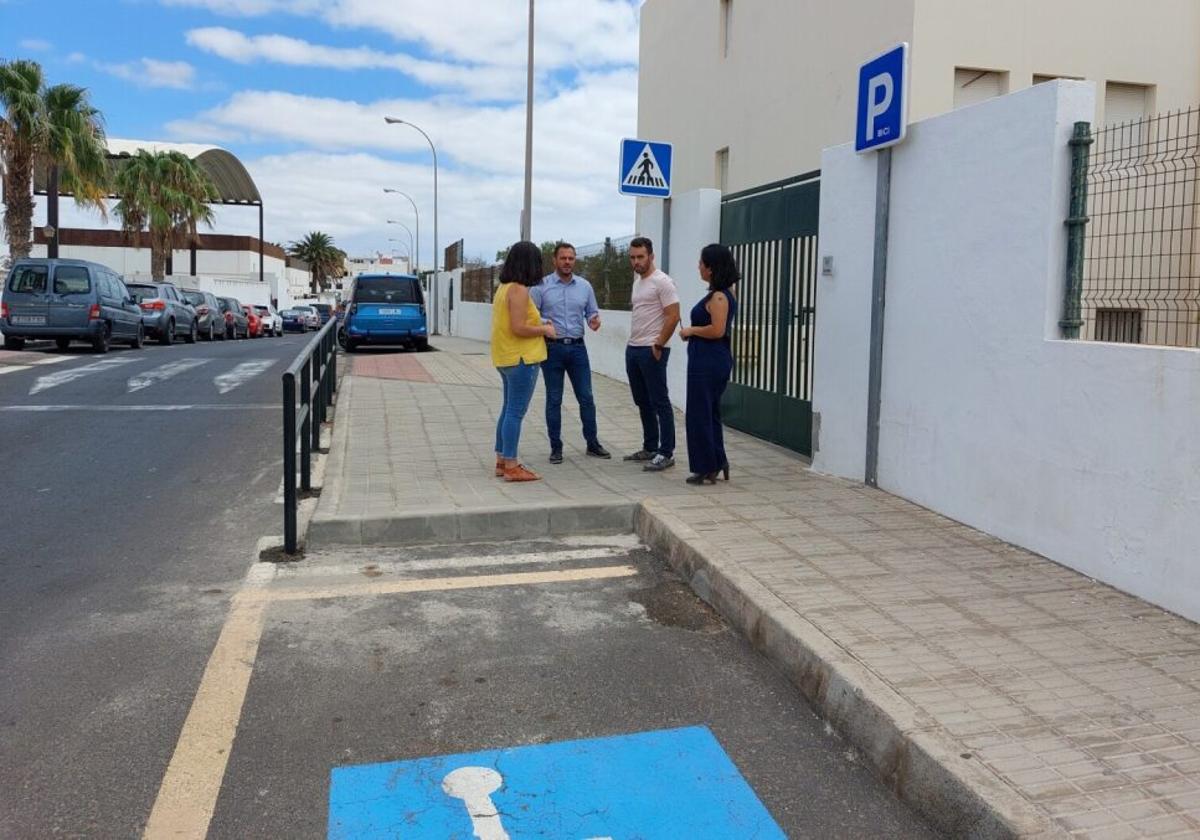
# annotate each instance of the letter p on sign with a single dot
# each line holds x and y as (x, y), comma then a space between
(882, 100)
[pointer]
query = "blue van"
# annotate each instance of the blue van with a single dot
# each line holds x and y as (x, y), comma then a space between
(386, 309)
(68, 300)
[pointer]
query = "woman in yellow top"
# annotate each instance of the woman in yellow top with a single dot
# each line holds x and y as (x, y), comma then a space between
(518, 350)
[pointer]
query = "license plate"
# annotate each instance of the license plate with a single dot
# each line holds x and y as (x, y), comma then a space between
(391, 311)
(29, 320)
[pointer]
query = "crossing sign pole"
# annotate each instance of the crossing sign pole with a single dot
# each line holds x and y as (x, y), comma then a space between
(882, 122)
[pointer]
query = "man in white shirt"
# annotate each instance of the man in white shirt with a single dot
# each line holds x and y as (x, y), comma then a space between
(654, 314)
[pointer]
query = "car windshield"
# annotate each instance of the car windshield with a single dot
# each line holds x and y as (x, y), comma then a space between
(29, 279)
(141, 293)
(229, 305)
(194, 298)
(323, 308)
(262, 310)
(387, 290)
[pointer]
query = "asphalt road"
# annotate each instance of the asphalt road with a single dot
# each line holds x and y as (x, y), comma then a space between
(134, 488)
(362, 679)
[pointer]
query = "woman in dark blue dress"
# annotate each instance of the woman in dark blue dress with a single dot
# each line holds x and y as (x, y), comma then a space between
(710, 363)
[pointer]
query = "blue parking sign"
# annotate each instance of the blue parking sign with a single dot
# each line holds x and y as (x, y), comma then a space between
(645, 169)
(660, 785)
(882, 101)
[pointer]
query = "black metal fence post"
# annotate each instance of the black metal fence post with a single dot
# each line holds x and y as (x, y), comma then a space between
(316, 370)
(289, 462)
(1077, 220)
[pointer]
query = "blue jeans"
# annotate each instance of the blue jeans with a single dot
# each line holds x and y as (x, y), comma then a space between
(519, 381)
(572, 360)
(648, 382)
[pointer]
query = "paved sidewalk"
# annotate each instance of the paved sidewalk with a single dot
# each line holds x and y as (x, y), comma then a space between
(999, 692)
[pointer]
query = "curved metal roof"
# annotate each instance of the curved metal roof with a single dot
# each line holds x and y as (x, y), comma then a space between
(234, 184)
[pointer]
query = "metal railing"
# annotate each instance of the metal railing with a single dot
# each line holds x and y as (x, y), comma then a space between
(1134, 269)
(315, 369)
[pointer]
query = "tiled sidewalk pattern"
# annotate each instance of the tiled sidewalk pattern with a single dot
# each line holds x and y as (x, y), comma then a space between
(1084, 700)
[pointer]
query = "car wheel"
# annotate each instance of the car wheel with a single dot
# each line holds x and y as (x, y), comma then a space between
(11, 343)
(139, 339)
(100, 342)
(351, 346)
(168, 334)
(191, 337)
(422, 345)
(210, 332)
(62, 343)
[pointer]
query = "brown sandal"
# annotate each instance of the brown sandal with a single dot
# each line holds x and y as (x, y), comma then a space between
(499, 468)
(520, 473)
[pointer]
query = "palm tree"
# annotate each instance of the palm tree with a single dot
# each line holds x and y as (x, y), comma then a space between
(324, 259)
(52, 127)
(167, 194)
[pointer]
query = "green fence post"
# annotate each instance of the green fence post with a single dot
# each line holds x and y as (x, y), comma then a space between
(1076, 227)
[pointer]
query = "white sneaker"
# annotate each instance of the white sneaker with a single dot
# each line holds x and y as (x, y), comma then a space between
(659, 463)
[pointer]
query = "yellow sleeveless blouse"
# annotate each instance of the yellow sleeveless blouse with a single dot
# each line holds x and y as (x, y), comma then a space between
(508, 348)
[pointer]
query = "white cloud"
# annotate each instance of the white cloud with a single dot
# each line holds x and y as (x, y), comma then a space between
(569, 33)
(152, 73)
(35, 45)
(478, 82)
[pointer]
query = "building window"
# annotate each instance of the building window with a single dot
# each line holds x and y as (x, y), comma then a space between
(1038, 78)
(726, 26)
(972, 86)
(723, 169)
(1125, 103)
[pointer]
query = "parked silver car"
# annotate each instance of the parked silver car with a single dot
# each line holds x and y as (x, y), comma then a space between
(165, 313)
(236, 323)
(210, 321)
(67, 300)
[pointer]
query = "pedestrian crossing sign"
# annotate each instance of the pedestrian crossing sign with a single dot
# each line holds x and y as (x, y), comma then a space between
(645, 169)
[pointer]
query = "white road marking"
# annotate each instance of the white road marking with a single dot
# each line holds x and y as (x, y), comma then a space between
(241, 374)
(51, 360)
(163, 373)
(284, 571)
(42, 409)
(62, 377)
(13, 368)
(475, 786)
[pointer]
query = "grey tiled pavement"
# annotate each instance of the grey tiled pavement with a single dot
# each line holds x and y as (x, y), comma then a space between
(1082, 700)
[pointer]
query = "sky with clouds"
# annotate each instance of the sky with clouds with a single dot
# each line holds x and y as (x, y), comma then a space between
(298, 89)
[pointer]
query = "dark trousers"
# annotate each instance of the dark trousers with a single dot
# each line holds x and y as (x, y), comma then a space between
(648, 382)
(705, 436)
(571, 360)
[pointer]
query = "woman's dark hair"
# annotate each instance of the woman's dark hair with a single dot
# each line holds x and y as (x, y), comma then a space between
(522, 265)
(719, 260)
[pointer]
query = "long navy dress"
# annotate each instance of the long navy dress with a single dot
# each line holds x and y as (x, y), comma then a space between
(710, 363)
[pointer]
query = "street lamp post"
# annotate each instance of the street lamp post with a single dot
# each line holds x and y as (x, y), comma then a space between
(400, 242)
(417, 216)
(527, 213)
(436, 253)
(411, 248)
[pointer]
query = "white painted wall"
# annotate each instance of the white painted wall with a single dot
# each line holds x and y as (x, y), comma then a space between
(1086, 453)
(695, 222)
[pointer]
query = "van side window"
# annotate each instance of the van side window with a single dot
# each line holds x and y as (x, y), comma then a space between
(71, 280)
(29, 279)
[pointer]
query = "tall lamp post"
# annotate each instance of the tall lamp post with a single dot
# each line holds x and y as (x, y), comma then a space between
(436, 253)
(411, 247)
(527, 213)
(417, 216)
(400, 242)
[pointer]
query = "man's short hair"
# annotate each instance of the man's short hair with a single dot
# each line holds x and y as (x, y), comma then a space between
(642, 242)
(562, 245)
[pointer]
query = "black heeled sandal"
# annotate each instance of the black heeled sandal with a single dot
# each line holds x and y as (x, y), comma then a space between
(702, 478)
(724, 470)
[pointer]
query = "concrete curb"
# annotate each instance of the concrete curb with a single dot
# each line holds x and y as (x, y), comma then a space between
(921, 764)
(453, 525)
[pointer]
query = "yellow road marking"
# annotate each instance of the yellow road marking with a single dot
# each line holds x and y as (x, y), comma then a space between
(187, 796)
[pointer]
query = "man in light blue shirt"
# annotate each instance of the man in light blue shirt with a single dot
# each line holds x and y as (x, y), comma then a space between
(569, 302)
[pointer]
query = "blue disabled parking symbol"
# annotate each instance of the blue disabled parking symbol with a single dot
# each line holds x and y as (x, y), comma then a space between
(675, 783)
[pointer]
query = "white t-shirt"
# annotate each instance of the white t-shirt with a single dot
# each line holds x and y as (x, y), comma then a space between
(651, 295)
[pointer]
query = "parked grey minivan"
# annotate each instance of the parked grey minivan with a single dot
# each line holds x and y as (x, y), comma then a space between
(67, 300)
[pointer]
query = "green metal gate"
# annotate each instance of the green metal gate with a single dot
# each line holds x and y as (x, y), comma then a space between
(772, 231)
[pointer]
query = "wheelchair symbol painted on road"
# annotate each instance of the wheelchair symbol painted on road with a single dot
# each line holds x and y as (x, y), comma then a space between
(665, 784)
